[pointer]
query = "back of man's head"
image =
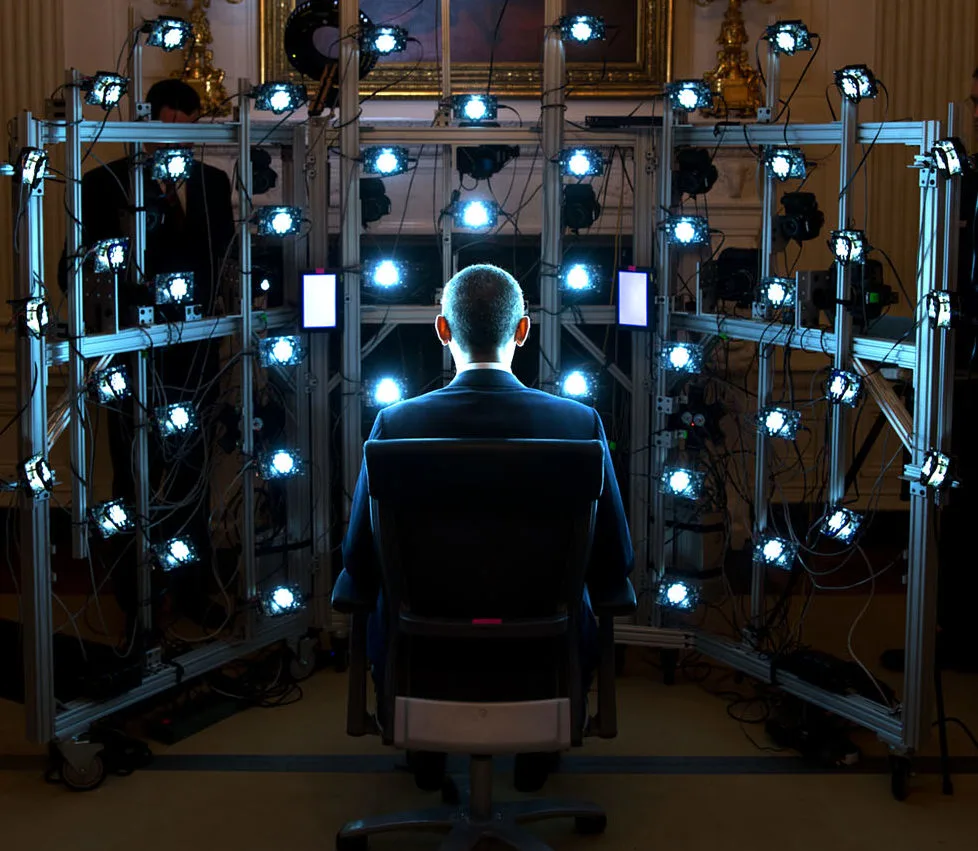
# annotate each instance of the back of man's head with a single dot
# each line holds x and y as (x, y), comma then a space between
(175, 94)
(483, 305)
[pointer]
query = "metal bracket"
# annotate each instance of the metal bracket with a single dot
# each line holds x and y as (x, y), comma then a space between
(928, 178)
(764, 115)
(144, 111)
(669, 404)
(664, 440)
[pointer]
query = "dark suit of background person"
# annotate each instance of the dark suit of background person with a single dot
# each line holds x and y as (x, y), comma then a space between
(191, 233)
(488, 401)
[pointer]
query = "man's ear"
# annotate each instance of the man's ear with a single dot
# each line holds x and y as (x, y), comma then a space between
(442, 330)
(522, 330)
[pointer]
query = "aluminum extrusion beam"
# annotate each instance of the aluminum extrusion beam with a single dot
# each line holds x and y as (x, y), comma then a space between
(223, 133)
(908, 133)
(649, 636)
(378, 134)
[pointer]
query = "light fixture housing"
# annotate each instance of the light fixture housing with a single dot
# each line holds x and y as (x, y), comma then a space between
(111, 384)
(176, 419)
(280, 464)
(849, 246)
(384, 274)
(168, 33)
(681, 357)
(384, 39)
(580, 208)
(175, 553)
(481, 162)
(682, 482)
(582, 28)
(578, 384)
(581, 162)
(951, 156)
(843, 388)
(279, 98)
(776, 421)
(277, 220)
(475, 214)
(676, 593)
(802, 220)
(688, 95)
(473, 109)
(776, 552)
(281, 600)
(110, 254)
(934, 471)
(113, 518)
(37, 476)
(777, 292)
(36, 317)
(385, 160)
(841, 524)
(31, 166)
(942, 309)
(686, 231)
(174, 288)
(579, 277)
(788, 37)
(386, 391)
(784, 163)
(856, 83)
(172, 164)
(374, 203)
(105, 89)
(280, 351)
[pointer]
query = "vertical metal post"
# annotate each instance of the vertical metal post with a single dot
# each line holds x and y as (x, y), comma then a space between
(76, 321)
(447, 171)
(921, 623)
(249, 574)
(952, 208)
(643, 205)
(350, 247)
(839, 434)
(552, 120)
(769, 205)
(32, 395)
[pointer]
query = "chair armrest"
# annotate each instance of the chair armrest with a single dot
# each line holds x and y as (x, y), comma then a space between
(348, 598)
(614, 600)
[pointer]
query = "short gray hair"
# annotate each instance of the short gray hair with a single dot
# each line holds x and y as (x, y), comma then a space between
(483, 305)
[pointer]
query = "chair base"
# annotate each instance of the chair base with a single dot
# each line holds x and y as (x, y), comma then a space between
(467, 822)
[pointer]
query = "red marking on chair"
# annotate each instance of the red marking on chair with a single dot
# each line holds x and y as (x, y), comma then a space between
(485, 621)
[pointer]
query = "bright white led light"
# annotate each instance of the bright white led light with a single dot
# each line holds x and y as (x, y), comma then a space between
(117, 256)
(172, 38)
(687, 98)
(282, 222)
(385, 43)
(283, 462)
(786, 41)
(579, 164)
(283, 350)
(837, 386)
(113, 93)
(386, 162)
(773, 550)
(117, 383)
(774, 421)
(386, 274)
(387, 392)
(475, 215)
(679, 481)
(475, 109)
(178, 288)
(780, 166)
(179, 550)
(776, 293)
(280, 101)
(849, 87)
(177, 166)
(576, 384)
(676, 593)
(179, 417)
(117, 515)
(578, 277)
(581, 31)
(283, 598)
(679, 357)
(684, 232)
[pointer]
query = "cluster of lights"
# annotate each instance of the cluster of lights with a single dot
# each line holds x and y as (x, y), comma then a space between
(113, 518)
(169, 33)
(681, 357)
(776, 552)
(842, 524)
(687, 230)
(951, 156)
(579, 277)
(384, 39)
(384, 274)
(31, 166)
(689, 94)
(174, 288)
(385, 161)
(37, 475)
(577, 384)
(278, 221)
(674, 593)
(788, 37)
(279, 98)
(843, 388)
(475, 108)
(786, 163)
(281, 600)
(386, 391)
(581, 162)
(175, 553)
(682, 482)
(777, 292)
(280, 351)
(856, 83)
(110, 254)
(36, 316)
(172, 164)
(280, 464)
(177, 418)
(582, 28)
(779, 422)
(475, 214)
(105, 89)
(110, 385)
(942, 309)
(934, 470)
(849, 246)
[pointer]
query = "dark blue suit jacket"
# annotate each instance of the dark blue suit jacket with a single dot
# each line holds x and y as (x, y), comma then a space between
(491, 403)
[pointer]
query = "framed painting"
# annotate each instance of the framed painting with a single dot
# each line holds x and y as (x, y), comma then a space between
(632, 61)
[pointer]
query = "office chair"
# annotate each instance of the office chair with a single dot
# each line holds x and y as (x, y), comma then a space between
(483, 548)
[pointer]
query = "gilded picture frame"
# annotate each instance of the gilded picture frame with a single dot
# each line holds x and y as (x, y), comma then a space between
(634, 61)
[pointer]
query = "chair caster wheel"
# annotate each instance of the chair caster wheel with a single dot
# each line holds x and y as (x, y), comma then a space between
(351, 843)
(590, 825)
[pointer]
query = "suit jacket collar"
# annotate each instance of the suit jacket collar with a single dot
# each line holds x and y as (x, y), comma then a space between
(487, 379)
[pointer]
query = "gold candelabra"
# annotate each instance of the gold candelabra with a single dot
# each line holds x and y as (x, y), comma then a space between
(736, 84)
(198, 63)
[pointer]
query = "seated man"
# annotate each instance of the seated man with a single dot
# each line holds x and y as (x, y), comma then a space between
(483, 322)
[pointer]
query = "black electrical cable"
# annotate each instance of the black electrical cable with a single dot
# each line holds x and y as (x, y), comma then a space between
(495, 39)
